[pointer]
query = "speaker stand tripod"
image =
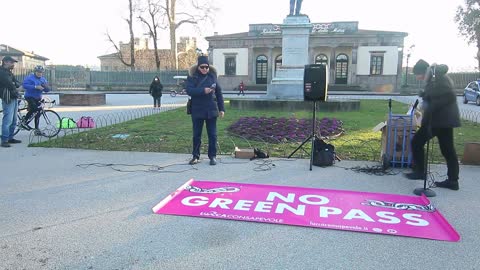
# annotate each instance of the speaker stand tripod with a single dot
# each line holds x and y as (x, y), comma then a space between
(312, 136)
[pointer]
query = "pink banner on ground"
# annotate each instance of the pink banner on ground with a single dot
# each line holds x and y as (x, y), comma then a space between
(320, 208)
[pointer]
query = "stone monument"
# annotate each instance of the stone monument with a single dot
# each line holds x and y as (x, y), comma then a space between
(287, 82)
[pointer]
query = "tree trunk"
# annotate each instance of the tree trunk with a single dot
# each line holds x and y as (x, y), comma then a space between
(155, 45)
(132, 37)
(173, 34)
(478, 51)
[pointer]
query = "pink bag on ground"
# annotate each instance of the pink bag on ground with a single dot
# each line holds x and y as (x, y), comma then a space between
(86, 122)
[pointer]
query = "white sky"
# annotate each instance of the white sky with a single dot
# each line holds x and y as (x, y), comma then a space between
(73, 32)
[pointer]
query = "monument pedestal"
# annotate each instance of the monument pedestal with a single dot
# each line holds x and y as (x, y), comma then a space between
(287, 83)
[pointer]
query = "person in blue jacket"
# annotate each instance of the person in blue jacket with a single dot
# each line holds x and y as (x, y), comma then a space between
(207, 106)
(35, 84)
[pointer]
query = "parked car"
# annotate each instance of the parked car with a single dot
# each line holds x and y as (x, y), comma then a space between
(472, 93)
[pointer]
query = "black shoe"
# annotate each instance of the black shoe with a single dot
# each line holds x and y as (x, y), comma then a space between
(213, 161)
(453, 185)
(414, 176)
(14, 141)
(193, 161)
(5, 144)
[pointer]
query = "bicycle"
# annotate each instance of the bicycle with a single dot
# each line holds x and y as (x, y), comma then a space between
(48, 122)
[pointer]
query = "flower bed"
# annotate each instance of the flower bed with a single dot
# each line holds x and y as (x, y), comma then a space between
(284, 129)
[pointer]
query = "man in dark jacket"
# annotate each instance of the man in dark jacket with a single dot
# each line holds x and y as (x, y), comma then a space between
(207, 105)
(9, 96)
(440, 116)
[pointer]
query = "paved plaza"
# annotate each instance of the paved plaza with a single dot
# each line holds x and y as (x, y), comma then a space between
(59, 211)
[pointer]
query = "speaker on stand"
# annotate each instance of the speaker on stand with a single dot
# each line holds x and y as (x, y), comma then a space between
(315, 88)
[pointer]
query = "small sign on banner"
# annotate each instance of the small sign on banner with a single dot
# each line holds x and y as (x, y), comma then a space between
(320, 208)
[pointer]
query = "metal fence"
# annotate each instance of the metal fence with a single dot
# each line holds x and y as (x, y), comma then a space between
(80, 78)
(76, 79)
(460, 79)
(133, 78)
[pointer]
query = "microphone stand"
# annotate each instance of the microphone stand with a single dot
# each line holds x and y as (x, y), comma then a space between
(425, 190)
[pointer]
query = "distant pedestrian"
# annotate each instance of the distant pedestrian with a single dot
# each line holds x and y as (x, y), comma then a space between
(156, 89)
(9, 96)
(35, 84)
(241, 89)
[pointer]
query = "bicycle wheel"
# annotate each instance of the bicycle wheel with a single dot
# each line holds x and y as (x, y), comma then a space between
(49, 123)
(173, 93)
(20, 115)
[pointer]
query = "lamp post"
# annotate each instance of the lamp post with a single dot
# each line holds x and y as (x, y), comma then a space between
(409, 53)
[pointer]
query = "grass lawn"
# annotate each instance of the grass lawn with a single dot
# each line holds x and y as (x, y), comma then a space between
(171, 132)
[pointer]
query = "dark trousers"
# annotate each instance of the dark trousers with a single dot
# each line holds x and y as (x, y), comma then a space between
(197, 136)
(445, 140)
(33, 106)
(157, 101)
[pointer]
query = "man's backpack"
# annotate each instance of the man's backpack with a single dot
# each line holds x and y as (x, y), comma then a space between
(323, 153)
(67, 123)
(86, 122)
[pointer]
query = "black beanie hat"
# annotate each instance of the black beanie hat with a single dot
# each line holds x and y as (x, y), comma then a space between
(420, 67)
(202, 60)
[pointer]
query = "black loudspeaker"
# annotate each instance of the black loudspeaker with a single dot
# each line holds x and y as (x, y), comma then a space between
(315, 83)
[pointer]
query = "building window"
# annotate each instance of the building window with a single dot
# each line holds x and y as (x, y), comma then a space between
(376, 64)
(341, 69)
(230, 66)
(278, 62)
(261, 69)
(321, 59)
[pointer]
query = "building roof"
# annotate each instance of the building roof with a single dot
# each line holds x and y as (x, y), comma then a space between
(108, 55)
(359, 32)
(9, 50)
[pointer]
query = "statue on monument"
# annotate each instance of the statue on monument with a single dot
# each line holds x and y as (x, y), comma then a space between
(295, 5)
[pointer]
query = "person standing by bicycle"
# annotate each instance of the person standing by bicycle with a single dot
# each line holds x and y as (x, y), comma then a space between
(156, 88)
(35, 84)
(9, 96)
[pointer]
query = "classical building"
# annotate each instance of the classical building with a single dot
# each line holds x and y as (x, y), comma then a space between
(26, 60)
(145, 57)
(356, 58)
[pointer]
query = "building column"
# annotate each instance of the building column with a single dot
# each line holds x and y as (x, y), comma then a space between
(353, 70)
(333, 60)
(311, 55)
(251, 65)
(271, 64)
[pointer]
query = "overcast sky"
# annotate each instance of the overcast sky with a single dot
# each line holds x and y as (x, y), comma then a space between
(73, 32)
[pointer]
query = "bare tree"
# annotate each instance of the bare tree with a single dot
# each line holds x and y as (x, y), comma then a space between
(468, 20)
(120, 53)
(152, 23)
(189, 12)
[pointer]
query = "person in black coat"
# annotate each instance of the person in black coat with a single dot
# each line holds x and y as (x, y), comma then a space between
(156, 88)
(9, 96)
(207, 105)
(440, 117)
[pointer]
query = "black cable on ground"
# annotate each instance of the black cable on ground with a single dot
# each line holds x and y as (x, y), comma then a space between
(147, 167)
(376, 170)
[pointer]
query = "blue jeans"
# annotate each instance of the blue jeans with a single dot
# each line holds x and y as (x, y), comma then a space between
(9, 121)
(197, 136)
